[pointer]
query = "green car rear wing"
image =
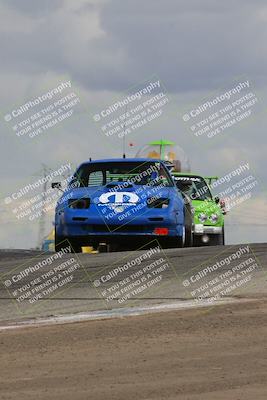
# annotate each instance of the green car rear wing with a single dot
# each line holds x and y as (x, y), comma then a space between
(210, 179)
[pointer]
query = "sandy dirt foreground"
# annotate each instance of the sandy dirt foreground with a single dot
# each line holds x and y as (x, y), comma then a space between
(192, 354)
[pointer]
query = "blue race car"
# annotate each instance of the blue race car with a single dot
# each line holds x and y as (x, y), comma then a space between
(120, 203)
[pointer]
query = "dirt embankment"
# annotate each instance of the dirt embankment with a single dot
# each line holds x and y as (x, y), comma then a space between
(192, 354)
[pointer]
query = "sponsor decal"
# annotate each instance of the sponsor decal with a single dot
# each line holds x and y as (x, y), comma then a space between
(118, 201)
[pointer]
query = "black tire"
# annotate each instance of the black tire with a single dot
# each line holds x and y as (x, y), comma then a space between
(189, 219)
(75, 247)
(103, 248)
(62, 242)
(174, 242)
(188, 227)
(181, 240)
(218, 240)
(197, 241)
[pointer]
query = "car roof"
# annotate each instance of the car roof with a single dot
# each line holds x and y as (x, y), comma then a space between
(122, 160)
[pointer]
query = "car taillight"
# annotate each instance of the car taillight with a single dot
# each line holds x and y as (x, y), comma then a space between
(79, 204)
(223, 206)
(157, 203)
(161, 231)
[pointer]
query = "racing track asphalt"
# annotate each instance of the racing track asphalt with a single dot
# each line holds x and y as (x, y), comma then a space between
(87, 291)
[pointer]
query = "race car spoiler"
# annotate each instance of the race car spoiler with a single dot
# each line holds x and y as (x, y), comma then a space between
(210, 179)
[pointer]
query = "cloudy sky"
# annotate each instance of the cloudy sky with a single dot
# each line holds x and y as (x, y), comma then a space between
(111, 48)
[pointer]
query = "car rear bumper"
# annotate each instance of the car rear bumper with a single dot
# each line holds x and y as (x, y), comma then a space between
(127, 242)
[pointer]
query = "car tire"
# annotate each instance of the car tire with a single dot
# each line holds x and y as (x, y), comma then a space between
(61, 242)
(75, 248)
(177, 241)
(218, 240)
(223, 237)
(188, 229)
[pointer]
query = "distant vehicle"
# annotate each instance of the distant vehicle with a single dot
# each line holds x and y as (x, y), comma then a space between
(166, 150)
(120, 203)
(208, 210)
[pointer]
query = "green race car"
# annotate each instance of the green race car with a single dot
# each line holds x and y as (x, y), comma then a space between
(209, 211)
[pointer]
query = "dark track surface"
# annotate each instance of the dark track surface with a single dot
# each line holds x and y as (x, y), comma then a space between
(81, 294)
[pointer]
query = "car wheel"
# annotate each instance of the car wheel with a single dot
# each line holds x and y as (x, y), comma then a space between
(188, 230)
(174, 241)
(75, 248)
(60, 242)
(217, 240)
(183, 238)
(223, 238)
(179, 241)
(197, 241)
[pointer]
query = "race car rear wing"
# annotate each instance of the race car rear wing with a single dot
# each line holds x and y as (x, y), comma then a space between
(210, 179)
